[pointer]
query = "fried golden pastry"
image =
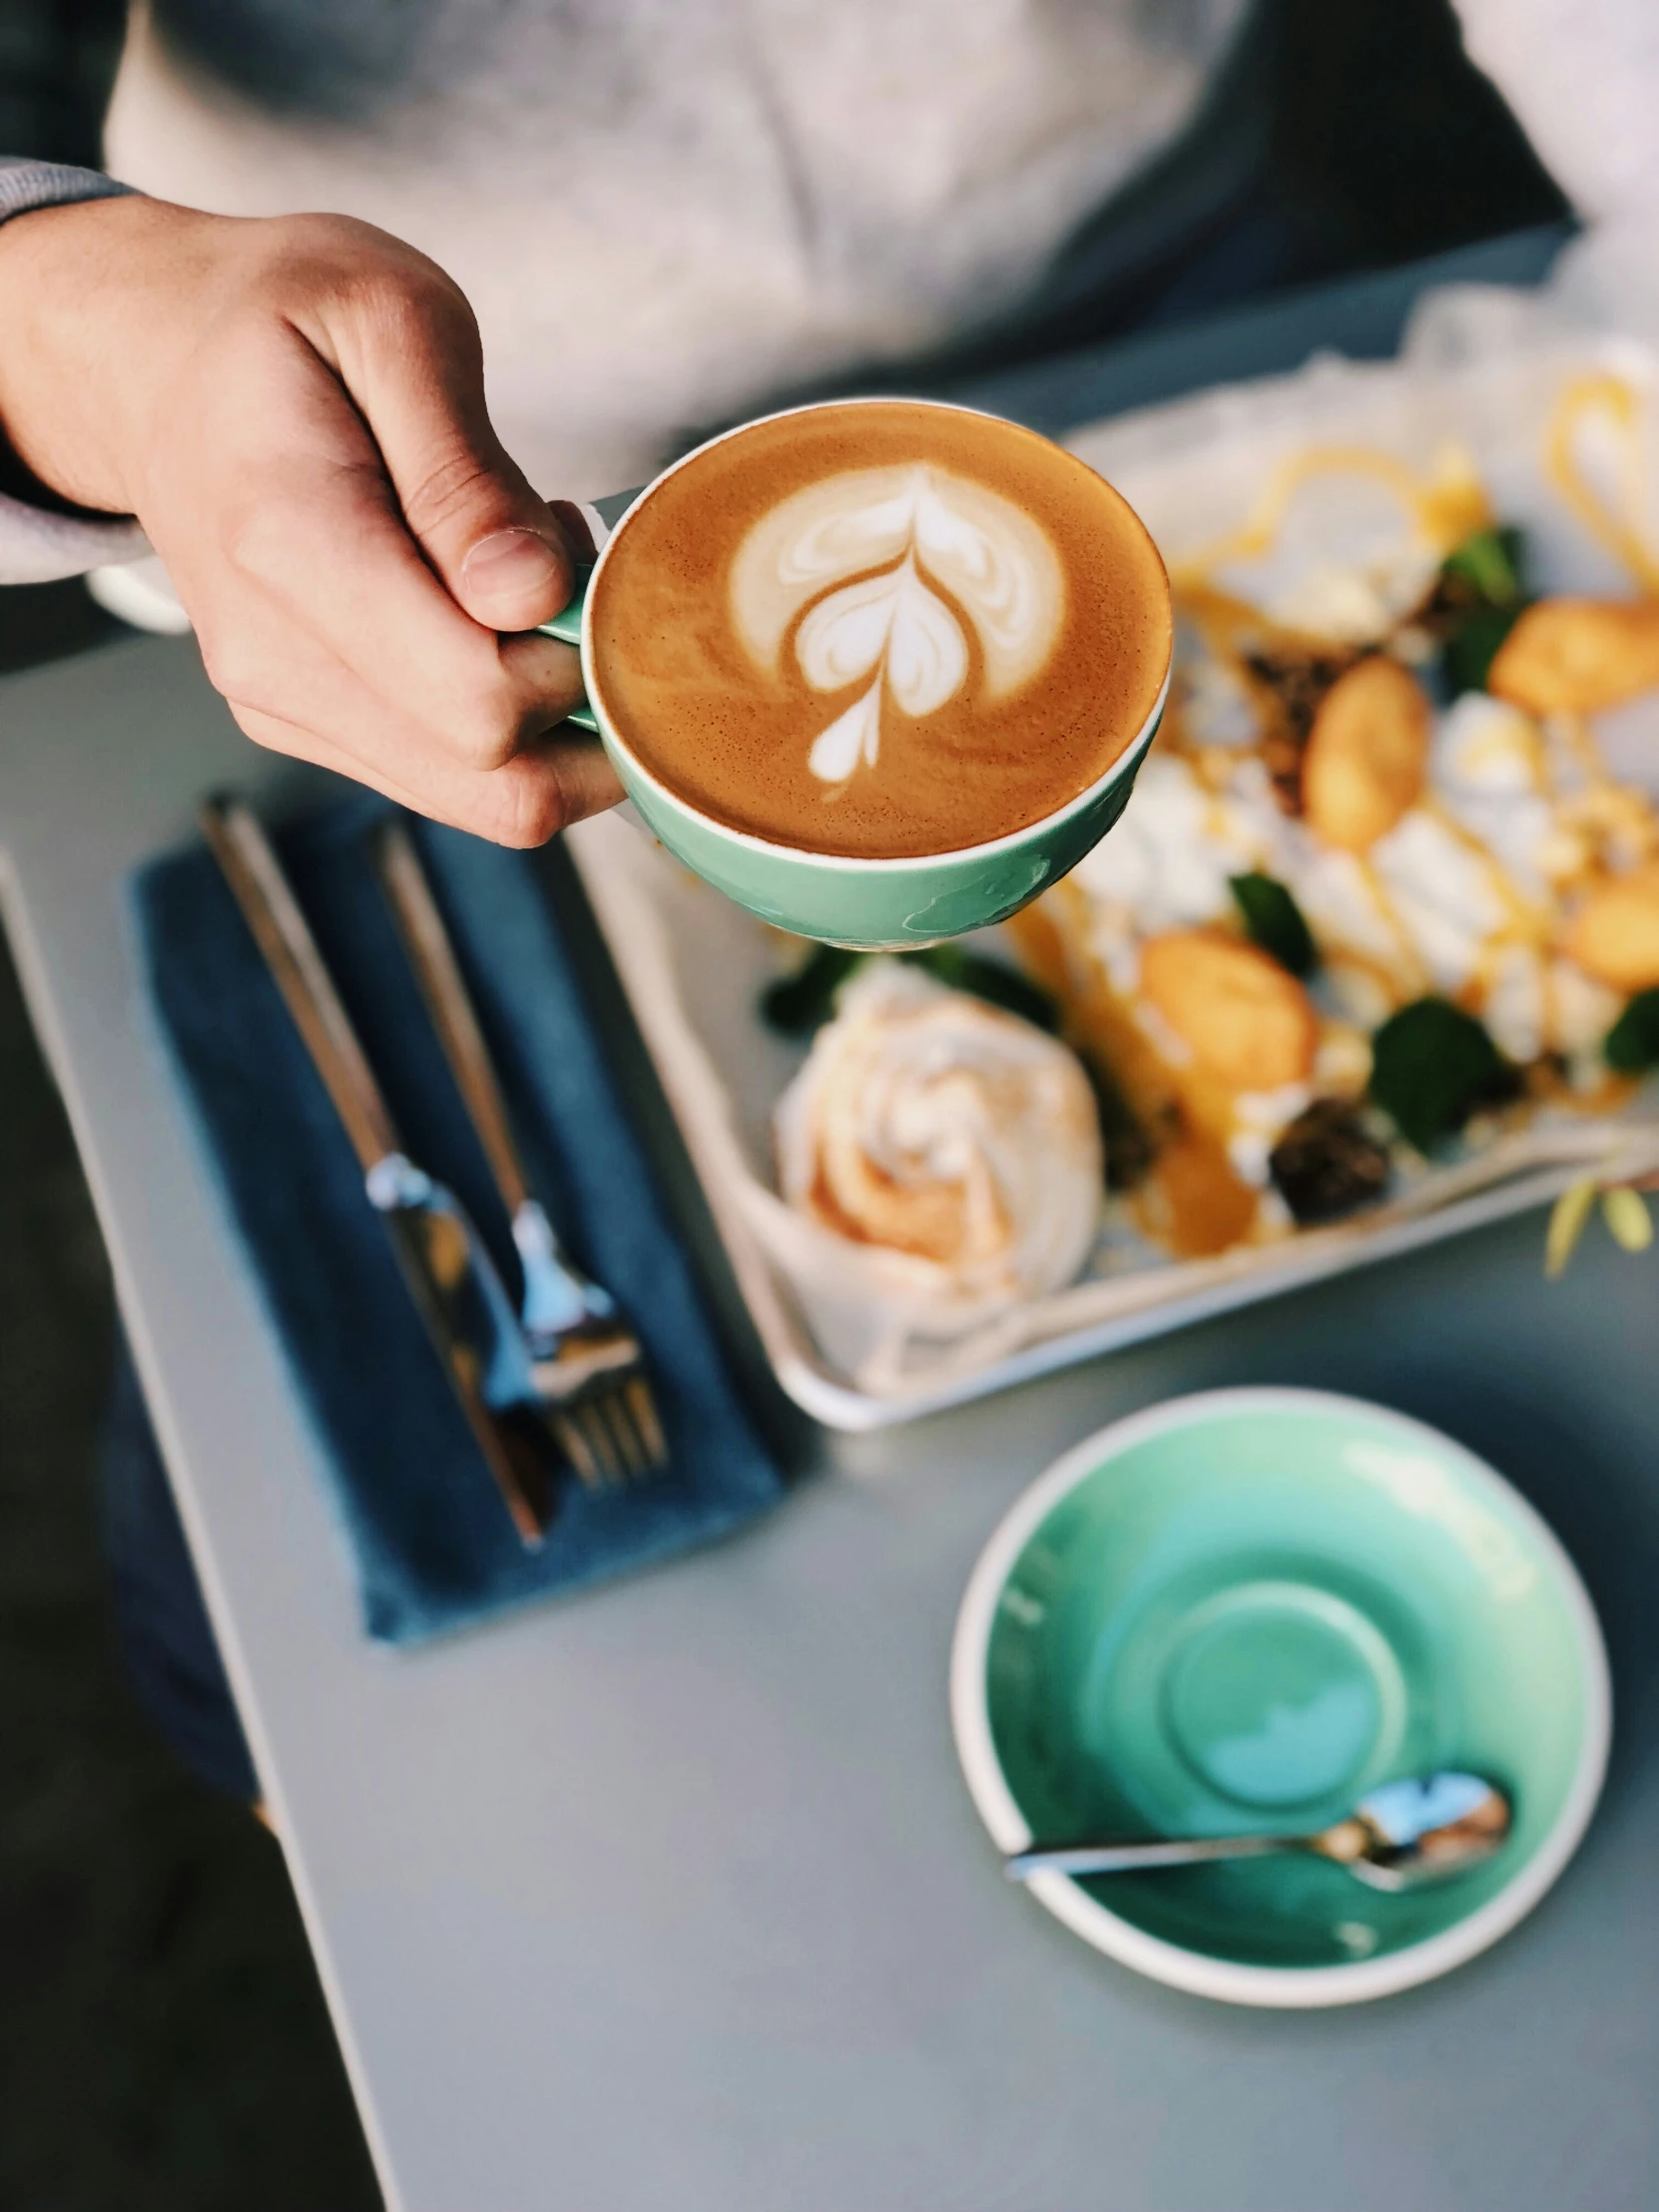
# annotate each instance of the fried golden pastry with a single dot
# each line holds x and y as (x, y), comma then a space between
(1245, 1020)
(1575, 656)
(1194, 1201)
(1615, 934)
(1368, 756)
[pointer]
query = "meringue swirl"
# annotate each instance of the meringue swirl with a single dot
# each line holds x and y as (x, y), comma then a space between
(955, 1147)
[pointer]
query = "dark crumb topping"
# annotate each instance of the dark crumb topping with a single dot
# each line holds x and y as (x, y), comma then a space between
(1290, 685)
(1327, 1163)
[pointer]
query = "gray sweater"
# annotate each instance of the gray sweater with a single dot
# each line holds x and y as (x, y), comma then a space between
(665, 213)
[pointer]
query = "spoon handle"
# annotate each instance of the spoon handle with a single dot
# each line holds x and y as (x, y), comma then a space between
(1134, 1858)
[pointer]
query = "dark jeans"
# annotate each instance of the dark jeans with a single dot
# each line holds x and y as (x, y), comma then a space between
(161, 1620)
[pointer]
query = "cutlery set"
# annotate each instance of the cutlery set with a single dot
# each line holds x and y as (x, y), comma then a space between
(558, 1378)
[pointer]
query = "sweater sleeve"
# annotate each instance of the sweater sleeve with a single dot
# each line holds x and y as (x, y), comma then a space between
(37, 545)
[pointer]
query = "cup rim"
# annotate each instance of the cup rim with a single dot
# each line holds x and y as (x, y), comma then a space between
(852, 862)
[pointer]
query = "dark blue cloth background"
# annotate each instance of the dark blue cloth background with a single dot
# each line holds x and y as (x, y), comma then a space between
(431, 1541)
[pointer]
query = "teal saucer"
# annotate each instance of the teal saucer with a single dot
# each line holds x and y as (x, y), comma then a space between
(1242, 1611)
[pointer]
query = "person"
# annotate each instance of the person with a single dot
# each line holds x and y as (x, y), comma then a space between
(642, 219)
(376, 280)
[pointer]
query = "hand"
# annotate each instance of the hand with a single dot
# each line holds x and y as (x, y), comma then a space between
(294, 411)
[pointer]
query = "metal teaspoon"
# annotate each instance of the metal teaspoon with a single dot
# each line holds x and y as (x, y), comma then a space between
(1402, 1832)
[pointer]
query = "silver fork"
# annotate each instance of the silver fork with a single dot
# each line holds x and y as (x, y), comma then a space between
(585, 1360)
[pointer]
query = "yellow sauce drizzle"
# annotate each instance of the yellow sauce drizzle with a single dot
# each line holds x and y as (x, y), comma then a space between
(1621, 534)
(1446, 507)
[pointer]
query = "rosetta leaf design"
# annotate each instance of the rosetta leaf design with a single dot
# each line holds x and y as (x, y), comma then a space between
(857, 551)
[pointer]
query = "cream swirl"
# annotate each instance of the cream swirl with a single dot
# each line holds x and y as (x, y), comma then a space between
(857, 550)
(955, 1148)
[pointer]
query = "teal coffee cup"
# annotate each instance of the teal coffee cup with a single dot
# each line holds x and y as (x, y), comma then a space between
(867, 903)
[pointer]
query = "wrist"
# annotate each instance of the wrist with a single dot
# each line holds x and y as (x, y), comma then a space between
(74, 347)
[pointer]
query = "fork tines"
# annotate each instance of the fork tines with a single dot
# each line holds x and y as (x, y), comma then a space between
(601, 1410)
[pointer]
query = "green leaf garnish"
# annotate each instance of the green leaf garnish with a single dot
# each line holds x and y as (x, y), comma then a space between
(1431, 1066)
(1492, 565)
(1471, 648)
(801, 1003)
(1481, 593)
(987, 979)
(1274, 921)
(1632, 1045)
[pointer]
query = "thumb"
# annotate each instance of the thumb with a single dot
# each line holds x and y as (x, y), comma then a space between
(417, 374)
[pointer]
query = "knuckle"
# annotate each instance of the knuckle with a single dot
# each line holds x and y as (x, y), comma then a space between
(389, 287)
(255, 728)
(256, 538)
(234, 669)
(532, 810)
(486, 732)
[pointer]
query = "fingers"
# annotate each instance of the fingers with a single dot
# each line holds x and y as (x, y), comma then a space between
(315, 548)
(409, 354)
(552, 782)
(284, 682)
(363, 563)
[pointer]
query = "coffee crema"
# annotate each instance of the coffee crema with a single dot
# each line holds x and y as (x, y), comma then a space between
(880, 629)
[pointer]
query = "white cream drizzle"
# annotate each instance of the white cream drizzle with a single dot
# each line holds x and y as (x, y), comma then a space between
(862, 552)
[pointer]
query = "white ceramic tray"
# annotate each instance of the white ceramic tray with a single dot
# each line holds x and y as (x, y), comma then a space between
(1481, 369)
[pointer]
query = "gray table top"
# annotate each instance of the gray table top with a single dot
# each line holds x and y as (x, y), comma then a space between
(671, 1897)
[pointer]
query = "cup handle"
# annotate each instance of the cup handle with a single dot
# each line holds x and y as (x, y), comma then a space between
(566, 625)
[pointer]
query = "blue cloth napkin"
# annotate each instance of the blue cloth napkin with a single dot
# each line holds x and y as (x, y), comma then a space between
(431, 1541)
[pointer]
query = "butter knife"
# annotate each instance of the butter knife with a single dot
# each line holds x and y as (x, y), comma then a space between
(450, 1275)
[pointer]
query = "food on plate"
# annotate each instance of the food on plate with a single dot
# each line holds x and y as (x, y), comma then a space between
(951, 1149)
(1228, 1008)
(800, 1004)
(1633, 1042)
(1376, 891)
(1367, 754)
(1576, 655)
(1614, 936)
(1431, 1066)
(1328, 1162)
(1376, 896)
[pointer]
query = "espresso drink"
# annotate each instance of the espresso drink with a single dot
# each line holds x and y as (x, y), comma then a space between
(881, 628)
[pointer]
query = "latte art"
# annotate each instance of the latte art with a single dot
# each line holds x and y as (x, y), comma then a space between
(880, 627)
(995, 562)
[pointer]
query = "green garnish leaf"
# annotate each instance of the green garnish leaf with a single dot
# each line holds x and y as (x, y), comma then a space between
(1274, 921)
(1492, 565)
(1481, 596)
(1471, 648)
(1431, 1066)
(990, 980)
(797, 1004)
(1632, 1045)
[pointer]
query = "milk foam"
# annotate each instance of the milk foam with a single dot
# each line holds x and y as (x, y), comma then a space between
(880, 534)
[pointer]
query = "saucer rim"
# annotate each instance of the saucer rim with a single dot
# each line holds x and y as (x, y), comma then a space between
(1231, 1981)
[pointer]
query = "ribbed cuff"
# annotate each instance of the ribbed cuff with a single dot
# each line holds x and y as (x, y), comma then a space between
(37, 546)
(26, 184)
